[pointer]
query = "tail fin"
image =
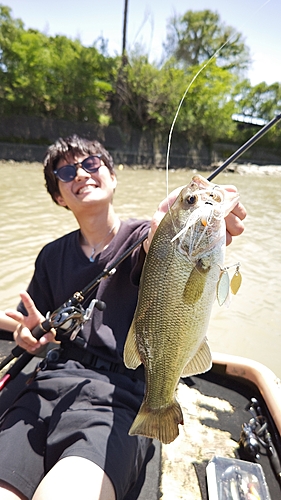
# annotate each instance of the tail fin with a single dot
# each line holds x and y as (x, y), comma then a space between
(161, 423)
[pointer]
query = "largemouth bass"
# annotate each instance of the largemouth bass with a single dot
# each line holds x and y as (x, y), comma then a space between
(177, 290)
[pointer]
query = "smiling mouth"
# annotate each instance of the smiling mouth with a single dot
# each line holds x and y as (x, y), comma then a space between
(86, 188)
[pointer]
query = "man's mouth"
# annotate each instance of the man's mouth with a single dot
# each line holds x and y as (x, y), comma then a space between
(86, 188)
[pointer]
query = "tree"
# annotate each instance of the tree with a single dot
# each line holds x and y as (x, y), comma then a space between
(196, 36)
(260, 101)
(50, 76)
(79, 80)
(206, 112)
(258, 104)
(59, 78)
(135, 92)
(24, 76)
(150, 97)
(9, 33)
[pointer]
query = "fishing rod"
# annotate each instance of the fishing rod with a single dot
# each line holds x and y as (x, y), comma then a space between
(68, 318)
(245, 146)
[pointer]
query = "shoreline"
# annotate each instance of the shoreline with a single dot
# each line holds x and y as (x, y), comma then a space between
(234, 168)
(250, 168)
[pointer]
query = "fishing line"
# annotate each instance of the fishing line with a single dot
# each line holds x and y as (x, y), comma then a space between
(184, 96)
(179, 108)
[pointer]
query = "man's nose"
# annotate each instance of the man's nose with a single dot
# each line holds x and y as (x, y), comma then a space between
(80, 172)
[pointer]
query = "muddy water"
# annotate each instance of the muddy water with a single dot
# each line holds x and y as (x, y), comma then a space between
(250, 326)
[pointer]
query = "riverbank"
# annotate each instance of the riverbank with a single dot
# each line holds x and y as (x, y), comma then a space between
(235, 168)
(244, 169)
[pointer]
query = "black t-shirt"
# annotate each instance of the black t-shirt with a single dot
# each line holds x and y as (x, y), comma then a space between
(62, 268)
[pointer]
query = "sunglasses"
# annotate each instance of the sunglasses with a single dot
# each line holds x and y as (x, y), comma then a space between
(68, 172)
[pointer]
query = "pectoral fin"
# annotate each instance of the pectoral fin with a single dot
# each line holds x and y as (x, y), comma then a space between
(195, 284)
(131, 353)
(200, 363)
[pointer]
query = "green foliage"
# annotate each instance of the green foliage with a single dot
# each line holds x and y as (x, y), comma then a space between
(261, 101)
(209, 105)
(50, 76)
(196, 36)
(149, 98)
(57, 77)
(138, 93)
(78, 80)
(259, 104)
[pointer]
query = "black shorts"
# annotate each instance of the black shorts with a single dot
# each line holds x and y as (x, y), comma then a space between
(73, 412)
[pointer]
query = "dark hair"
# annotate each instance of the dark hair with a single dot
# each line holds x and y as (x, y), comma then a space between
(71, 146)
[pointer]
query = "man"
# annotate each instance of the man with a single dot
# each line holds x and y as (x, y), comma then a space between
(66, 436)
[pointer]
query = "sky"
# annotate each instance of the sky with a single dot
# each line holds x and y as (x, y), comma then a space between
(257, 20)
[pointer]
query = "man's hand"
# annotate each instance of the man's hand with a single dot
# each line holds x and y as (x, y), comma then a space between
(22, 335)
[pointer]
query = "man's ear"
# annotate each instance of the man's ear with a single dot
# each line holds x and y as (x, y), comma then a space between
(60, 201)
(114, 180)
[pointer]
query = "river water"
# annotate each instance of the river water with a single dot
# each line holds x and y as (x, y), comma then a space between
(250, 326)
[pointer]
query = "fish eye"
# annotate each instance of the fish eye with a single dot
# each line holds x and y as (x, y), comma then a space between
(191, 199)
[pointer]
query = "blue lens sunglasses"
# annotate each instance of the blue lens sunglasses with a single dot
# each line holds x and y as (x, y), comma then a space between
(68, 172)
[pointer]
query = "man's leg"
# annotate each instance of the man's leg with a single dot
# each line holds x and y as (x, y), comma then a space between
(8, 492)
(72, 478)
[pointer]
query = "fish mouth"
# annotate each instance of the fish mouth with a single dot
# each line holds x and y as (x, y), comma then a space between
(215, 197)
(206, 214)
(207, 211)
(204, 226)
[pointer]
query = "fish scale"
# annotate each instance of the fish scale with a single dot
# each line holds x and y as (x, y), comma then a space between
(177, 290)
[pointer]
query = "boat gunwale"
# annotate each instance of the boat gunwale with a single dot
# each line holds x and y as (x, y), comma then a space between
(267, 383)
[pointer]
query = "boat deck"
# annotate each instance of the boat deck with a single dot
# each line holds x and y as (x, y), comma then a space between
(214, 407)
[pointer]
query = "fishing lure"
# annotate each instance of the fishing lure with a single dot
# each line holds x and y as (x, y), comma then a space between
(225, 285)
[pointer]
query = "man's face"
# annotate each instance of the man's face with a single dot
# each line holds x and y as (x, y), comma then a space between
(86, 189)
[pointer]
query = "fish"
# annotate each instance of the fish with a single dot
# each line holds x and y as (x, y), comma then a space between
(176, 294)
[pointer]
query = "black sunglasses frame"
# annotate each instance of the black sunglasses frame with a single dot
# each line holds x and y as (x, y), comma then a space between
(73, 167)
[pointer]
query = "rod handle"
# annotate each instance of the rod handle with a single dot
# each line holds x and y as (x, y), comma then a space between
(15, 369)
(22, 354)
(37, 332)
